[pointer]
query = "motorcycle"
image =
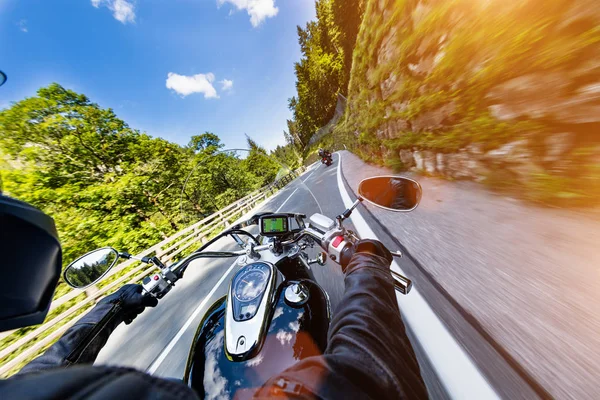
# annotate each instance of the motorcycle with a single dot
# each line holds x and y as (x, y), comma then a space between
(274, 313)
(326, 159)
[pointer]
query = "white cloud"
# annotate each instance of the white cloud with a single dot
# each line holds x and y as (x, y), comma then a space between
(199, 83)
(123, 10)
(258, 10)
(23, 25)
(226, 84)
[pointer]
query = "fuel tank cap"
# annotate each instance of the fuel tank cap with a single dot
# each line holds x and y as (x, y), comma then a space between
(296, 294)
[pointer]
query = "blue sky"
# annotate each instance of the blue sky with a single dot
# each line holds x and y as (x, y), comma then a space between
(171, 68)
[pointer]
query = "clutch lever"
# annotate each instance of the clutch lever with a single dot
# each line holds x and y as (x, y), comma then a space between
(401, 283)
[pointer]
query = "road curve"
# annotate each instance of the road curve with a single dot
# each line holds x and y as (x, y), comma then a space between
(159, 339)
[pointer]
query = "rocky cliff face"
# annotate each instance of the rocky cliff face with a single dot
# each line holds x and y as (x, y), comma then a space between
(481, 89)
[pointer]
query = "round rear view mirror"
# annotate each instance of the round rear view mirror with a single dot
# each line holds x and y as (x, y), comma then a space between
(91, 267)
(393, 193)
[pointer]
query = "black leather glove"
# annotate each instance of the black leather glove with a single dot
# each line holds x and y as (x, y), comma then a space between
(372, 246)
(131, 301)
(81, 343)
(369, 246)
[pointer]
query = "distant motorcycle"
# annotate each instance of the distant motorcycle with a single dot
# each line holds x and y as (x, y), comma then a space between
(326, 158)
(274, 313)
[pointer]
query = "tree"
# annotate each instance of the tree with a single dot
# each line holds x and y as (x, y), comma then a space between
(287, 155)
(347, 16)
(259, 163)
(207, 141)
(324, 69)
(106, 184)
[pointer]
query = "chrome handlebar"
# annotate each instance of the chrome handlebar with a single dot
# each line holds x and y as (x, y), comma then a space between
(158, 289)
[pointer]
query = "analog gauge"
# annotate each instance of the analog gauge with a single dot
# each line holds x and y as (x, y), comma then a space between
(250, 284)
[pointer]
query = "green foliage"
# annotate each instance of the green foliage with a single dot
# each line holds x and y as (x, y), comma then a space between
(264, 166)
(106, 184)
(393, 161)
(288, 156)
(347, 16)
(467, 48)
(206, 142)
(324, 69)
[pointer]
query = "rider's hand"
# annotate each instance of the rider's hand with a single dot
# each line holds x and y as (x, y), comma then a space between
(375, 247)
(368, 246)
(131, 300)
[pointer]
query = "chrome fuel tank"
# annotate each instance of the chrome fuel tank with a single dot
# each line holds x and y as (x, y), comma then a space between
(295, 332)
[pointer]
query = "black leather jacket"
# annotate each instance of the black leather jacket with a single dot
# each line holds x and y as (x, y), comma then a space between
(324, 153)
(368, 355)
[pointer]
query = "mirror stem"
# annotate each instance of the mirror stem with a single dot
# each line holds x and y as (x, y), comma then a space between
(352, 207)
(346, 214)
(128, 256)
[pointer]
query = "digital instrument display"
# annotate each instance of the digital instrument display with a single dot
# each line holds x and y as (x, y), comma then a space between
(274, 225)
(248, 309)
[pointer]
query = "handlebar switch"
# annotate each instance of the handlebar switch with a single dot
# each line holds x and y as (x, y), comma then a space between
(156, 285)
(340, 250)
(336, 242)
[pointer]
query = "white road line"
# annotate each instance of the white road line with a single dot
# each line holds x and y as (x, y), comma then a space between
(317, 201)
(280, 207)
(152, 369)
(456, 371)
(311, 173)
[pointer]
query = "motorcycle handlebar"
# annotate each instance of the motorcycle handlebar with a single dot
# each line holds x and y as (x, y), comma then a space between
(401, 283)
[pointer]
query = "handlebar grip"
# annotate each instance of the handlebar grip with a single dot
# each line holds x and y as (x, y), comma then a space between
(401, 283)
(346, 255)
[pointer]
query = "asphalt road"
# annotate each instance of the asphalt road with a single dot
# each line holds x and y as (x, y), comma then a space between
(159, 340)
(516, 284)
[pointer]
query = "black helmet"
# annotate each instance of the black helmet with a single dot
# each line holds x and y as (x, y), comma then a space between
(30, 264)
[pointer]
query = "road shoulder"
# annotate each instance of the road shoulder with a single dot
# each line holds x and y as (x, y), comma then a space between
(492, 257)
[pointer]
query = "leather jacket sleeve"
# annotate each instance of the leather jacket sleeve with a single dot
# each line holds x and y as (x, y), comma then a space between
(368, 354)
(83, 341)
(97, 383)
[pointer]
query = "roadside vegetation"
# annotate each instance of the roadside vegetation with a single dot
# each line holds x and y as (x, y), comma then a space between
(443, 77)
(107, 184)
(324, 69)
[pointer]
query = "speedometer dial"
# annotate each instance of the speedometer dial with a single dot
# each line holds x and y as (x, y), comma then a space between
(250, 284)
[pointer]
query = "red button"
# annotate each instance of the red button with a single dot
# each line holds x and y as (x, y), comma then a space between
(336, 242)
(155, 277)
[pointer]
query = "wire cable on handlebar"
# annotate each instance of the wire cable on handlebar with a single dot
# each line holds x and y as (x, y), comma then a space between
(225, 233)
(180, 269)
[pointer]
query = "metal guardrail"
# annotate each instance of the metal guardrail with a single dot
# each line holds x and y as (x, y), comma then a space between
(166, 250)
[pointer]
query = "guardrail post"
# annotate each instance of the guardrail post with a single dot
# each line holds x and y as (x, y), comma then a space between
(92, 290)
(223, 219)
